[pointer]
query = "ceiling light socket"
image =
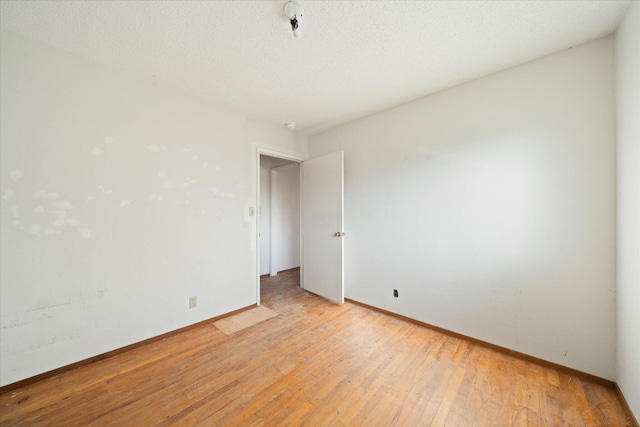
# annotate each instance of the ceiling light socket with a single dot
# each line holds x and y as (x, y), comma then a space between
(293, 10)
(290, 125)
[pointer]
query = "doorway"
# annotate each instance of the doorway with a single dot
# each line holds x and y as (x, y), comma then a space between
(278, 214)
(321, 218)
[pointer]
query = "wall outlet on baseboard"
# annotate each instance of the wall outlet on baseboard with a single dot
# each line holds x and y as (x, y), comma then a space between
(193, 302)
(395, 293)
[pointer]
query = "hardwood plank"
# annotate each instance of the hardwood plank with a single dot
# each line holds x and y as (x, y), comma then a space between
(315, 364)
(600, 402)
(450, 394)
(474, 410)
(414, 404)
(450, 356)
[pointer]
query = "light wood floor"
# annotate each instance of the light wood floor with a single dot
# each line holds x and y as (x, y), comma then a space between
(314, 364)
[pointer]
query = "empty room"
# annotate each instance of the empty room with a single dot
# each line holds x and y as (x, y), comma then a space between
(320, 213)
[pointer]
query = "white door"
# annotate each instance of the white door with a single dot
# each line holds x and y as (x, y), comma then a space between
(323, 226)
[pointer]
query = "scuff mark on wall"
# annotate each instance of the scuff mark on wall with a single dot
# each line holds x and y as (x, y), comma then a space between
(42, 194)
(63, 205)
(8, 194)
(60, 218)
(153, 148)
(85, 233)
(188, 182)
(73, 222)
(105, 191)
(15, 175)
(35, 229)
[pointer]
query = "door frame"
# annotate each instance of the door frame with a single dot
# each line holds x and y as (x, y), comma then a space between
(262, 151)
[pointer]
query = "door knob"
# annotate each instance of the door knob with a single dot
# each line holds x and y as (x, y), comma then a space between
(338, 234)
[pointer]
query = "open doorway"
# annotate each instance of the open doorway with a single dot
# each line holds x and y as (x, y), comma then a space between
(279, 216)
(321, 216)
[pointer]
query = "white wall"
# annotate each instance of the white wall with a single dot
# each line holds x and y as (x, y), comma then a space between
(491, 208)
(285, 217)
(628, 134)
(120, 200)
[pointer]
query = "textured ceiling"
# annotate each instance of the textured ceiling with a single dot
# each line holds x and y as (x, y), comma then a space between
(356, 57)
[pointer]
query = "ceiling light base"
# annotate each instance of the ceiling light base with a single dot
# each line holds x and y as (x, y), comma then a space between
(293, 10)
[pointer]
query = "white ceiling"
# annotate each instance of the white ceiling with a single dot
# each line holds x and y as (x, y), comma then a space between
(356, 57)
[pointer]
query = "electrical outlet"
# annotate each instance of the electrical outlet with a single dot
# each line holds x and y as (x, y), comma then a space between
(395, 293)
(193, 302)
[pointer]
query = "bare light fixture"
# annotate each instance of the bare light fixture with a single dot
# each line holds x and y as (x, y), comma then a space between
(290, 125)
(293, 11)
